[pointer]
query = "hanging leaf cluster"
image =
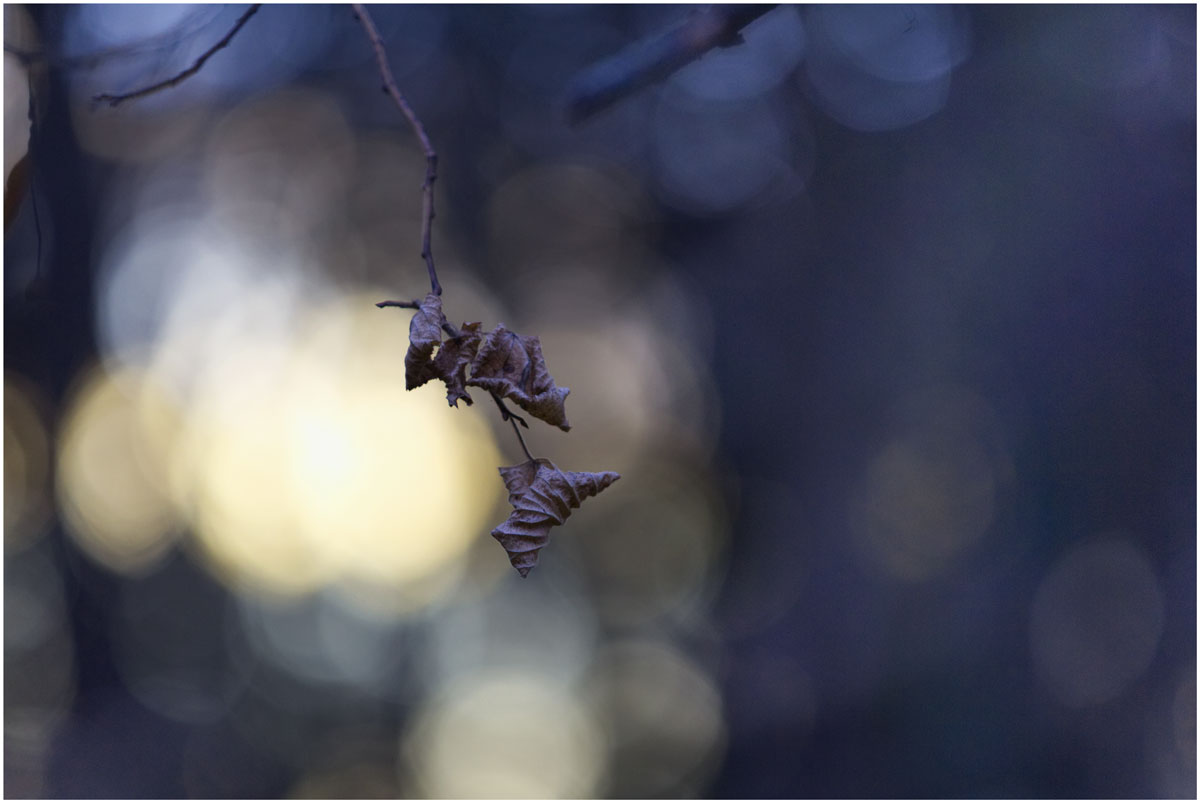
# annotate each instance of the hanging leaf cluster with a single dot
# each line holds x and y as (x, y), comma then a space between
(502, 362)
(511, 367)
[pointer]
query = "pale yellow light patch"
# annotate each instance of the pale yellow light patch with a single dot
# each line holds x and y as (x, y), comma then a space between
(112, 458)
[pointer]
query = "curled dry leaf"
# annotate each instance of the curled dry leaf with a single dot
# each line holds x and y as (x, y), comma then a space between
(453, 358)
(453, 355)
(512, 366)
(542, 496)
(424, 335)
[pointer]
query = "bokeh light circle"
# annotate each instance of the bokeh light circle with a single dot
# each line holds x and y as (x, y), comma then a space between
(505, 735)
(878, 68)
(772, 47)
(26, 463)
(923, 504)
(714, 158)
(1096, 621)
(901, 43)
(331, 469)
(929, 494)
(113, 454)
(662, 713)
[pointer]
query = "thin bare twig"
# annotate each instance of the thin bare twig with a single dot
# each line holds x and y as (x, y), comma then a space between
(404, 304)
(447, 327)
(605, 82)
(168, 39)
(524, 448)
(389, 86)
(116, 100)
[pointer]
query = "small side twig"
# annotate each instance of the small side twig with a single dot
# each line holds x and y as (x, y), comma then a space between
(404, 304)
(605, 82)
(389, 86)
(116, 100)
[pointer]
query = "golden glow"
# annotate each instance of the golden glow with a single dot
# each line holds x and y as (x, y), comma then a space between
(302, 460)
(26, 465)
(112, 463)
(332, 470)
(505, 735)
(236, 475)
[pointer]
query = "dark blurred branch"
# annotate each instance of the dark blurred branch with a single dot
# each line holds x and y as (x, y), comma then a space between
(650, 60)
(389, 86)
(114, 100)
(170, 38)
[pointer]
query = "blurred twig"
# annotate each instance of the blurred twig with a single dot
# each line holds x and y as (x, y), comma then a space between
(389, 86)
(401, 304)
(170, 38)
(605, 82)
(114, 100)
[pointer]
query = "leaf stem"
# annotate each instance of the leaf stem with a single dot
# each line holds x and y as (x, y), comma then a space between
(389, 86)
(508, 415)
(520, 438)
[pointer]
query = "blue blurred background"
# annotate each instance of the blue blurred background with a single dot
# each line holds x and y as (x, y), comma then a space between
(886, 316)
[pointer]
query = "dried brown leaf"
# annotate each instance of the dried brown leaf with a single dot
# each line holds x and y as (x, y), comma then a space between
(542, 496)
(424, 335)
(512, 366)
(453, 358)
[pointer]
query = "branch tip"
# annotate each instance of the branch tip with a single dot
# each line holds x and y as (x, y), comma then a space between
(116, 99)
(643, 63)
(402, 304)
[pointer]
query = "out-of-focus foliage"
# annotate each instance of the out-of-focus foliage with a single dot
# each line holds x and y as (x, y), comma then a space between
(886, 317)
